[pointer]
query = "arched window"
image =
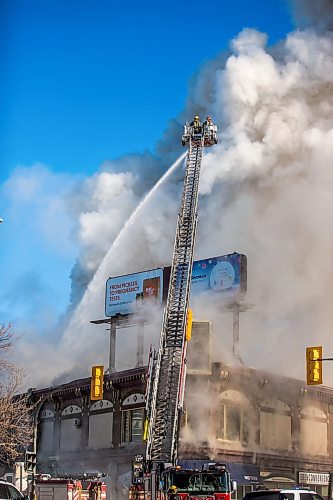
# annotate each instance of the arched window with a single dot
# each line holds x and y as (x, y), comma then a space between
(71, 410)
(313, 431)
(45, 430)
(100, 424)
(70, 428)
(275, 425)
(232, 417)
(132, 418)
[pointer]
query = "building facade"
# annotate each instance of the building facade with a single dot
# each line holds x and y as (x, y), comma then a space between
(76, 435)
(270, 430)
(244, 416)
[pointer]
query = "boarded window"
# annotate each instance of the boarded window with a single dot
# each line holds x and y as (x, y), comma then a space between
(70, 435)
(275, 431)
(275, 425)
(45, 442)
(313, 437)
(100, 430)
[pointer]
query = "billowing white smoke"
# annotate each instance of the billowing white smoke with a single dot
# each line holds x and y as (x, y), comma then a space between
(112, 201)
(101, 205)
(270, 192)
(266, 191)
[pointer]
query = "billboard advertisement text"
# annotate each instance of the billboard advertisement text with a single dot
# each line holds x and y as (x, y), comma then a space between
(124, 294)
(225, 275)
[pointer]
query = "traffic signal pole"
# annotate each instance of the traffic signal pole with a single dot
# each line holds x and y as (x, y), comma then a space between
(31, 456)
(36, 422)
(33, 486)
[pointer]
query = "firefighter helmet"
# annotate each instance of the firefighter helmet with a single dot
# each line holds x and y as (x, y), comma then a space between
(173, 488)
(196, 117)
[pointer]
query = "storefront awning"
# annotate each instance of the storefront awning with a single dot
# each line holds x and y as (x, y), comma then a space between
(244, 473)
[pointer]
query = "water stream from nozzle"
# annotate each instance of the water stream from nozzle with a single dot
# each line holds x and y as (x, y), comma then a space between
(88, 301)
(145, 200)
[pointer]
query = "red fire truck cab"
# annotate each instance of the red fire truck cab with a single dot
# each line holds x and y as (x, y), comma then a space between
(212, 483)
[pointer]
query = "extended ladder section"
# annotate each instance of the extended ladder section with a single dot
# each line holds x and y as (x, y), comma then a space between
(168, 386)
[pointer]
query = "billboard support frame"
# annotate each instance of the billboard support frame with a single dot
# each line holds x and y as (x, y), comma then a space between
(116, 322)
(235, 330)
(112, 351)
(140, 345)
(236, 307)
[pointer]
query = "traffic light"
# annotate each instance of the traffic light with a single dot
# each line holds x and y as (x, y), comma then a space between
(314, 365)
(138, 469)
(97, 380)
(30, 461)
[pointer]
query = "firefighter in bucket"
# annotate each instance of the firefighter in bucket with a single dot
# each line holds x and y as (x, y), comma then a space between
(196, 125)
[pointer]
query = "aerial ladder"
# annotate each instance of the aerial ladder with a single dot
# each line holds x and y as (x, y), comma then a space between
(167, 367)
(165, 402)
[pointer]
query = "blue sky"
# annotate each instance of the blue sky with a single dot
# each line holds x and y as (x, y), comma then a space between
(83, 82)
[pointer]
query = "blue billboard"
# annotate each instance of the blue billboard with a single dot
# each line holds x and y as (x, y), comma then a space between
(124, 294)
(225, 274)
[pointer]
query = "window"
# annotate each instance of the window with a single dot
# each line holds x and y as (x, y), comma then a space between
(232, 423)
(45, 431)
(45, 443)
(316, 497)
(14, 493)
(275, 425)
(232, 417)
(70, 428)
(313, 431)
(100, 430)
(132, 425)
(100, 424)
(3, 491)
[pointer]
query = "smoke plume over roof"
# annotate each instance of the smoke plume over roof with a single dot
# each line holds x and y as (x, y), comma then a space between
(266, 191)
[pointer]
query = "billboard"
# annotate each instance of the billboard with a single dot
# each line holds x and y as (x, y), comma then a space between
(225, 274)
(124, 294)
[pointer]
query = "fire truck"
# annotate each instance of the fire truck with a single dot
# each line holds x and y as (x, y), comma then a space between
(74, 488)
(157, 476)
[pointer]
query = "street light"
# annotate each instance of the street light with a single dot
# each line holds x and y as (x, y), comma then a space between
(1, 220)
